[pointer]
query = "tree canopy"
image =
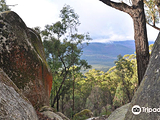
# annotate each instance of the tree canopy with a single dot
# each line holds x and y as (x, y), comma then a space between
(136, 11)
(63, 47)
(3, 6)
(152, 13)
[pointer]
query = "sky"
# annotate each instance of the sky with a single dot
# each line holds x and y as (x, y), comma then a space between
(104, 24)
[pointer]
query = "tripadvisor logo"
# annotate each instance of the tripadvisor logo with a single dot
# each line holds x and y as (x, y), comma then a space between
(136, 109)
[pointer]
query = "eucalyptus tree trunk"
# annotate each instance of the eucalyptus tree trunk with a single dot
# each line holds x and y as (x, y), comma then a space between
(136, 11)
(141, 40)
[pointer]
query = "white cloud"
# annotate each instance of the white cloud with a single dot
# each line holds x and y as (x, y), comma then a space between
(102, 22)
(35, 12)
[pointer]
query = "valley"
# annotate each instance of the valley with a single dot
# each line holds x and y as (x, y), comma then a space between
(102, 55)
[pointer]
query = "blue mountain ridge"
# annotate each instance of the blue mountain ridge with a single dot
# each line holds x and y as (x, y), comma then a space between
(102, 55)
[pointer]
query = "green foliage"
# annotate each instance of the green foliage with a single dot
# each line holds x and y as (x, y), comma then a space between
(63, 49)
(70, 19)
(3, 6)
(152, 11)
(152, 15)
(127, 80)
(120, 82)
(106, 111)
(115, 87)
(150, 48)
(95, 89)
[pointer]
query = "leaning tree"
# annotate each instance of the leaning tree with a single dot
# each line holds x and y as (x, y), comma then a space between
(136, 11)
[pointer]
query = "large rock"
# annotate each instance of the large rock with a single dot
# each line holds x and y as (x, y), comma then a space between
(23, 60)
(148, 93)
(62, 116)
(13, 104)
(52, 115)
(84, 114)
(49, 112)
(119, 113)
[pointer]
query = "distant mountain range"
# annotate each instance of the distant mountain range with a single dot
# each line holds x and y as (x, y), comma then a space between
(102, 55)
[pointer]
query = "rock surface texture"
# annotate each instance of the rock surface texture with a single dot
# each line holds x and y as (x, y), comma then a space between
(13, 104)
(148, 93)
(119, 113)
(22, 58)
(50, 114)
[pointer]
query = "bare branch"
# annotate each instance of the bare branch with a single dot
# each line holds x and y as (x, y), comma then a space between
(153, 26)
(13, 5)
(120, 6)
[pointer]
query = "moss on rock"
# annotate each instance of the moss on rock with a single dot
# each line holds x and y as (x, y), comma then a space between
(84, 114)
(22, 58)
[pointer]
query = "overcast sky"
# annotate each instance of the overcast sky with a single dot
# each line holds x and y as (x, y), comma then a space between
(102, 22)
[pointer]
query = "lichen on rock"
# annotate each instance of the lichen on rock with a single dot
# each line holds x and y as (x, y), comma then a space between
(148, 93)
(22, 58)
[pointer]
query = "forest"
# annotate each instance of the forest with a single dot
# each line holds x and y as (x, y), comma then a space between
(72, 91)
(95, 90)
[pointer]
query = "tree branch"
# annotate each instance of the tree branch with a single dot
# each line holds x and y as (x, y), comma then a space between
(120, 6)
(56, 97)
(153, 26)
(13, 5)
(62, 61)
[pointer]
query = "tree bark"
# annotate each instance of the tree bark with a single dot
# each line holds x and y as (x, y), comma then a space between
(56, 97)
(136, 11)
(58, 102)
(73, 91)
(141, 40)
(63, 104)
(155, 27)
